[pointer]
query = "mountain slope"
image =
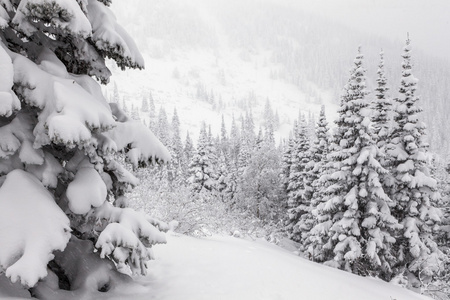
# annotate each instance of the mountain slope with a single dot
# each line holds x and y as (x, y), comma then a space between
(244, 52)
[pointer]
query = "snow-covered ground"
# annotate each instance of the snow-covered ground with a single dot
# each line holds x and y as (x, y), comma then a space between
(231, 268)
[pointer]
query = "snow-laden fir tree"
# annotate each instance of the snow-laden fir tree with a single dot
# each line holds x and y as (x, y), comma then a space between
(268, 116)
(63, 215)
(286, 160)
(382, 107)
(297, 205)
(224, 142)
(314, 169)
(202, 168)
(152, 112)
(115, 97)
(162, 129)
(355, 216)
(188, 150)
(176, 149)
(144, 104)
(414, 190)
(247, 142)
(222, 173)
(235, 140)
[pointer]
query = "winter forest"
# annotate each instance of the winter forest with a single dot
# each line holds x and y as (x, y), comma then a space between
(218, 149)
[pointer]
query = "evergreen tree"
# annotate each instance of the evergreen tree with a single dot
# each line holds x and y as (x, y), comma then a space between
(268, 116)
(355, 217)
(134, 113)
(64, 221)
(222, 174)
(276, 121)
(189, 150)
(116, 96)
(297, 205)
(232, 182)
(224, 143)
(176, 148)
(314, 169)
(287, 159)
(247, 142)
(124, 105)
(382, 107)
(235, 141)
(414, 189)
(152, 112)
(144, 104)
(202, 169)
(162, 127)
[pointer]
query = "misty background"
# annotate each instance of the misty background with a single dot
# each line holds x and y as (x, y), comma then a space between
(296, 54)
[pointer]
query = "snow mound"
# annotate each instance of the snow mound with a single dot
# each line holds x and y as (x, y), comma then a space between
(32, 226)
(86, 190)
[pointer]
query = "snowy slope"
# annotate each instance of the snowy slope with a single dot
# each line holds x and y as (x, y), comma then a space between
(230, 268)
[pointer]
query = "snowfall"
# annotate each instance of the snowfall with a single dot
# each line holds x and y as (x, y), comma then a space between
(221, 267)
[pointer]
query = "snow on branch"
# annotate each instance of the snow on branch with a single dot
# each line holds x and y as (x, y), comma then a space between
(66, 15)
(141, 145)
(70, 112)
(8, 99)
(111, 38)
(127, 237)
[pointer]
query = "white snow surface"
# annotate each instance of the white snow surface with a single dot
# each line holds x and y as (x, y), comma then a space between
(232, 268)
(32, 226)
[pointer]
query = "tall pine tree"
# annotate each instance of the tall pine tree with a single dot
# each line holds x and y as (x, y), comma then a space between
(355, 213)
(315, 168)
(414, 190)
(297, 206)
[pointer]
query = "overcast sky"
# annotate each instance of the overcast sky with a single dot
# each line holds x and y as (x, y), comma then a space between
(427, 21)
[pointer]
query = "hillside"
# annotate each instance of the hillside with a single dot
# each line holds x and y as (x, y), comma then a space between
(242, 53)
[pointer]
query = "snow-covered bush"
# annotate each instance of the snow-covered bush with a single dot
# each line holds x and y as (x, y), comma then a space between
(196, 214)
(62, 188)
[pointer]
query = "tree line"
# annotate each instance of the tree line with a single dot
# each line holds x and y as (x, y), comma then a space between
(363, 198)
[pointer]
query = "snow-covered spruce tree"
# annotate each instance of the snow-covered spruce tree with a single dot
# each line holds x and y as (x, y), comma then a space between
(359, 228)
(247, 142)
(297, 205)
(286, 160)
(314, 169)
(115, 97)
(202, 172)
(382, 107)
(151, 112)
(144, 104)
(162, 127)
(177, 163)
(222, 173)
(414, 190)
(188, 150)
(62, 189)
(235, 141)
(224, 144)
